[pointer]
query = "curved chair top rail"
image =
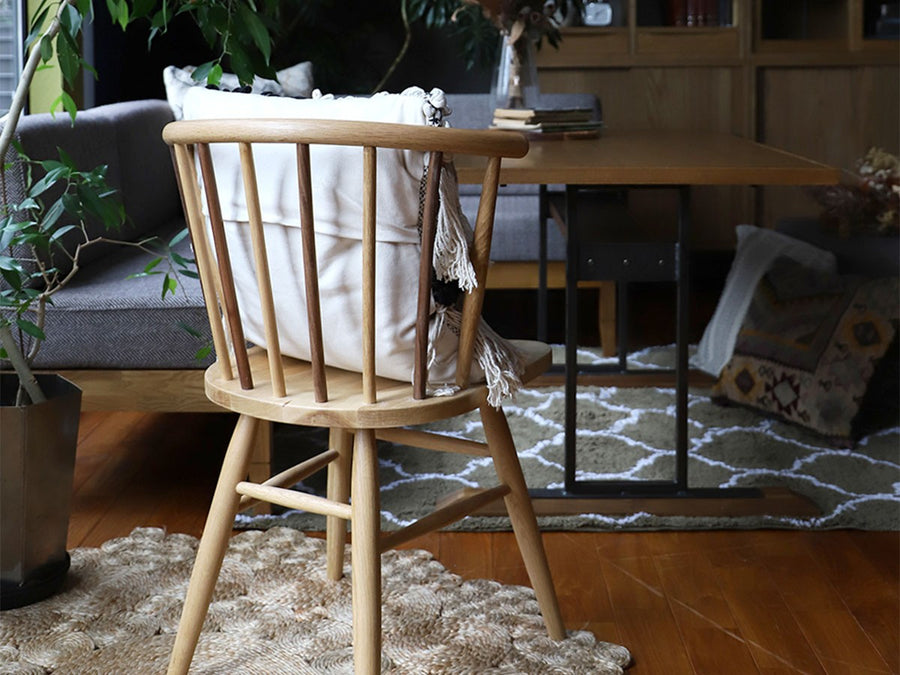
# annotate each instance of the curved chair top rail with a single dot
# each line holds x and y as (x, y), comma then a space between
(191, 142)
(484, 143)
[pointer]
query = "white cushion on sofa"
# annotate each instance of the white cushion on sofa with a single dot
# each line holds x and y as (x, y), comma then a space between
(294, 81)
(756, 250)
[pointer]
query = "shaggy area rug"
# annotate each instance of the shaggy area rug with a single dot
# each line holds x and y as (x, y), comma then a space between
(276, 613)
(629, 433)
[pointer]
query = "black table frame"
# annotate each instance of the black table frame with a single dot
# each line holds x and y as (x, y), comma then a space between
(640, 268)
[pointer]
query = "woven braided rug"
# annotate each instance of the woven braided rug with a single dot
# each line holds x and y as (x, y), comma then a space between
(275, 613)
(629, 433)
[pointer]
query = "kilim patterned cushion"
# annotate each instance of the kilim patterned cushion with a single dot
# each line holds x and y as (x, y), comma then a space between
(809, 345)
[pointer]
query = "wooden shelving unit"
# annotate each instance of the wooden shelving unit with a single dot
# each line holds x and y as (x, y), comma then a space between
(810, 76)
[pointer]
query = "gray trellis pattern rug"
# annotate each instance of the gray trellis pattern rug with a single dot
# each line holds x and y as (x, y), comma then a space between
(275, 612)
(628, 433)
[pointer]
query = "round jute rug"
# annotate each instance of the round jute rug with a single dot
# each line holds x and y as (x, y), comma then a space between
(274, 611)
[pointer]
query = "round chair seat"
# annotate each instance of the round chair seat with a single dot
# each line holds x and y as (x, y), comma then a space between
(345, 406)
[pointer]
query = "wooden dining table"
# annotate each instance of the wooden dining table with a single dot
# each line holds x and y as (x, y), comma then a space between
(643, 159)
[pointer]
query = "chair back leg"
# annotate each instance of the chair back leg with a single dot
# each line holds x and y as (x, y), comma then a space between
(521, 515)
(213, 543)
(366, 555)
(339, 491)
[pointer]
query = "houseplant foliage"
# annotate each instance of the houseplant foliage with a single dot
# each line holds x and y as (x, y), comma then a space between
(32, 229)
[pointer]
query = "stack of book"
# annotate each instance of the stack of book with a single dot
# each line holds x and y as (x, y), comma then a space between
(561, 121)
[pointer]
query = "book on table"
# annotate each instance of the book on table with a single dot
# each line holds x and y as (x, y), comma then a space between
(543, 115)
(555, 121)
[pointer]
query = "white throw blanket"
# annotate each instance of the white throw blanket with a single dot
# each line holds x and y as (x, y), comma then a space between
(337, 183)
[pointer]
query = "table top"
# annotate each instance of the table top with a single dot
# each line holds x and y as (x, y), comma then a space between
(652, 157)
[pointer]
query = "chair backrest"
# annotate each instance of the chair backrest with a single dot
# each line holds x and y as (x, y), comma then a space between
(192, 141)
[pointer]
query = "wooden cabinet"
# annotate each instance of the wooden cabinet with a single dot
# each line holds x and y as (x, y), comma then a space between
(815, 77)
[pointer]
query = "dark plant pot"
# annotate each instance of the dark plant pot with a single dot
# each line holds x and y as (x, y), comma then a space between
(37, 465)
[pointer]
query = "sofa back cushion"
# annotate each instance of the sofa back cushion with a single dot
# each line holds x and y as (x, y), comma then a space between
(127, 138)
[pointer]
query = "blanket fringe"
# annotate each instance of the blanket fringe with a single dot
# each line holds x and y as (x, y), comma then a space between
(454, 232)
(498, 359)
(454, 235)
(500, 362)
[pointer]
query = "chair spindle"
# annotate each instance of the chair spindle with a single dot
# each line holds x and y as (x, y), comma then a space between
(226, 277)
(480, 257)
(196, 224)
(368, 273)
(264, 282)
(429, 227)
(311, 273)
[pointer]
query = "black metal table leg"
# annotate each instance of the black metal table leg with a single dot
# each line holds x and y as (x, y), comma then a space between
(571, 333)
(682, 336)
(544, 214)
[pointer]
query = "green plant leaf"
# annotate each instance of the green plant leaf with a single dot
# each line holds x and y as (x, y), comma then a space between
(215, 75)
(8, 232)
(85, 7)
(124, 17)
(46, 48)
(69, 59)
(52, 214)
(30, 328)
(178, 237)
(51, 164)
(142, 8)
(27, 204)
(9, 263)
(70, 20)
(179, 260)
(45, 183)
(257, 30)
(240, 62)
(12, 277)
(169, 286)
(93, 203)
(151, 265)
(118, 12)
(60, 232)
(202, 71)
(190, 330)
(37, 26)
(67, 102)
(67, 161)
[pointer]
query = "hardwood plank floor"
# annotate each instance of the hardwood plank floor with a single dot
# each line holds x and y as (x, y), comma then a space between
(716, 602)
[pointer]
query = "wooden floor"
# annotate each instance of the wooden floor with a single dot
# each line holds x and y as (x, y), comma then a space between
(719, 602)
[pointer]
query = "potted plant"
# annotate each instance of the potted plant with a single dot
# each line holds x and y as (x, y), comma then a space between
(39, 414)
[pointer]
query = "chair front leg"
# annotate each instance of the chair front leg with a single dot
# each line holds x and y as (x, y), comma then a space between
(366, 556)
(521, 515)
(213, 543)
(339, 491)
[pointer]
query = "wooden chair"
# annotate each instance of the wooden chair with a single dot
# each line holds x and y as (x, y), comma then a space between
(262, 385)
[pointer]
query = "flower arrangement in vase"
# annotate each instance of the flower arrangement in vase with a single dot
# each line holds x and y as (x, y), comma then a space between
(865, 202)
(522, 25)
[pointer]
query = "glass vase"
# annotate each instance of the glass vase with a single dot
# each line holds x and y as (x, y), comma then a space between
(515, 82)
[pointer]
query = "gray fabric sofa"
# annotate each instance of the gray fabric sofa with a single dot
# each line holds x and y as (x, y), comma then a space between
(115, 336)
(103, 319)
